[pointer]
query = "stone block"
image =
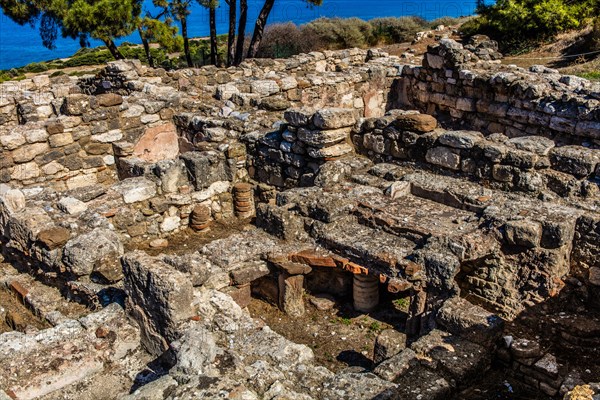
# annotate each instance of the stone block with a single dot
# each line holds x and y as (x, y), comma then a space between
(84, 252)
(322, 138)
(264, 87)
(444, 157)
(460, 317)
(387, 344)
(334, 151)
(60, 139)
(29, 152)
(334, 118)
(523, 233)
(206, 168)
(291, 294)
(135, 189)
(71, 205)
(419, 123)
(159, 298)
(158, 143)
(575, 160)
(460, 139)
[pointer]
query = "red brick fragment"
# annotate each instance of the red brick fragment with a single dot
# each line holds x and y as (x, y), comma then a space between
(19, 290)
(314, 259)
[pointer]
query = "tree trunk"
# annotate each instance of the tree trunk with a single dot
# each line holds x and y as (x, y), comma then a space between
(213, 36)
(241, 38)
(259, 28)
(186, 42)
(114, 50)
(231, 36)
(146, 48)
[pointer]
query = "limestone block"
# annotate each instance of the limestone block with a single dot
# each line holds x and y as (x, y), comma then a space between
(334, 151)
(136, 189)
(61, 139)
(158, 143)
(420, 123)
(299, 116)
(575, 160)
(460, 139)
(71, 205)
(264, 87)
(82, 253)
(36, 135)
(29, 152)
(320, 138)
(387, 344)
(111, 136)
(159, 297)
(334, 118)
(444, 157)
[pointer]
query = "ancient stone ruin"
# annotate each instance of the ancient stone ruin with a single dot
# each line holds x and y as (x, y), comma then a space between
(215, 233)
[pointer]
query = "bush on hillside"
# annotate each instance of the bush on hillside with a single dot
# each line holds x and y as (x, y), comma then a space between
(286, 40)
(446, 21)
(516, 24)
(338, 33)
(397, 30)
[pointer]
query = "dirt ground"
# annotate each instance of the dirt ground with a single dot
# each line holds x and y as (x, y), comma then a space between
(18, 313)
(339, 337)
(188, 240)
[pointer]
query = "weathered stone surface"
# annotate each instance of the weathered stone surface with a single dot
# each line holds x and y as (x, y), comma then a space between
(291, 294)
(394, 367)
(357, 386)
(71, 205)
(535, 144)
(469, 321)
(264, 87)
(444, 157)
(53, 238)
(159, 297)
(523, 233)
(575, 160)
(29, 152)
(206, 168)
(322, 138)
(334, 151)
(460, 139)
(387, 344)
(83, 253)
(111, 136)
(135, 190)
(12, 199)
(334, 118)
(420, 123)
(299, 116)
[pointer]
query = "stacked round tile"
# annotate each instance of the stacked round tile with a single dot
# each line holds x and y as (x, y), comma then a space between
(200, 218)
(243, 198)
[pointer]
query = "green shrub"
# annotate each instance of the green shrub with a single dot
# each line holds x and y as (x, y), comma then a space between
(397, 30)
(338, 33)
(35, 67)
(446, 21)
(516, 24)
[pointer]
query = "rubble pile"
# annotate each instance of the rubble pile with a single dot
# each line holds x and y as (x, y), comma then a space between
(468, 188)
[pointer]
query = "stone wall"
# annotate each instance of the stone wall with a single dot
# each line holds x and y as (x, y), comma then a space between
(472, 92)
(61, 130)
(532, 164)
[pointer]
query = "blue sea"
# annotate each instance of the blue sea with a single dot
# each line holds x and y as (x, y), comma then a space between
(21, 45)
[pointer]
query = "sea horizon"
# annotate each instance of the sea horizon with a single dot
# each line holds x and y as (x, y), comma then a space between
(22, 45)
